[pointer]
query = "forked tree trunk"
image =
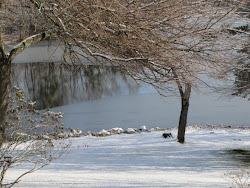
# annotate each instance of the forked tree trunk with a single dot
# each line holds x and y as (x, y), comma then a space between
(185, 96)
(5, 69)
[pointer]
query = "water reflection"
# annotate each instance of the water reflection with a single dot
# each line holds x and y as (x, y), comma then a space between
(54, 84)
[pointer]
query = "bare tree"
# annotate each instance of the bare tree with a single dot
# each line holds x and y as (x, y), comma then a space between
(173, 45)
(239, 177)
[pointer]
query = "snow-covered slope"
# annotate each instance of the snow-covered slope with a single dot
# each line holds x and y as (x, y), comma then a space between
(145, 160)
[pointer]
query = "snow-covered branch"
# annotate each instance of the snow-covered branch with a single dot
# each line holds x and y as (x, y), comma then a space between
(28, 42)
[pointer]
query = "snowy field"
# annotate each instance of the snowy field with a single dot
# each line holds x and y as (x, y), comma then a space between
(145, 160)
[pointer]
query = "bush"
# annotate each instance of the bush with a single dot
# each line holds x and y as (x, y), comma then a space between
(30, 137)
(239, 178)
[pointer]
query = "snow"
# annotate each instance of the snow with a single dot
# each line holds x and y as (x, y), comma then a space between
(117, 130)
(77, 132)
(144, 160)
(103, 131)
(130, 130)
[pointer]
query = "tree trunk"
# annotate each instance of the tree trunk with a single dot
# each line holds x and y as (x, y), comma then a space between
(183, 120)
(184, 113)
(5, 69)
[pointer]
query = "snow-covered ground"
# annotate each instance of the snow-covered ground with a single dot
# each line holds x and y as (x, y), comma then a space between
(145, 160)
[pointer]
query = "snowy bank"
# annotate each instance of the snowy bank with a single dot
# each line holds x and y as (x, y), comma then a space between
(146, 160)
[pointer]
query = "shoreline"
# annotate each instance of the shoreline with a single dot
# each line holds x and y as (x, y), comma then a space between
(143, 129)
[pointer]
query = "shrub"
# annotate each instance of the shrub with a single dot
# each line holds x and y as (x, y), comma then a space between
(30, 137)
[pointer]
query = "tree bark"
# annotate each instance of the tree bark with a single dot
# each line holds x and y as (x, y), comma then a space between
(5, 69)
(184, 113)
(4, 87)
(183, 120)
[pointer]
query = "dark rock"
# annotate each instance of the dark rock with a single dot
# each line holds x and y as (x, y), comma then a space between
(94, 134)
(167, 135)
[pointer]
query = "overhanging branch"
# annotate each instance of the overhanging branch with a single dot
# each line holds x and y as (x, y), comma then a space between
(28, 42)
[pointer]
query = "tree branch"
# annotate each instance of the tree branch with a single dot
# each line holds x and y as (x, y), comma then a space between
(28, 42)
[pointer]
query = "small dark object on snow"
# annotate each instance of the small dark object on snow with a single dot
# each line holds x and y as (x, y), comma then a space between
(167, 135)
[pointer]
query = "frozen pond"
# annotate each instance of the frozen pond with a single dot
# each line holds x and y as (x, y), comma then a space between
(94, 98)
